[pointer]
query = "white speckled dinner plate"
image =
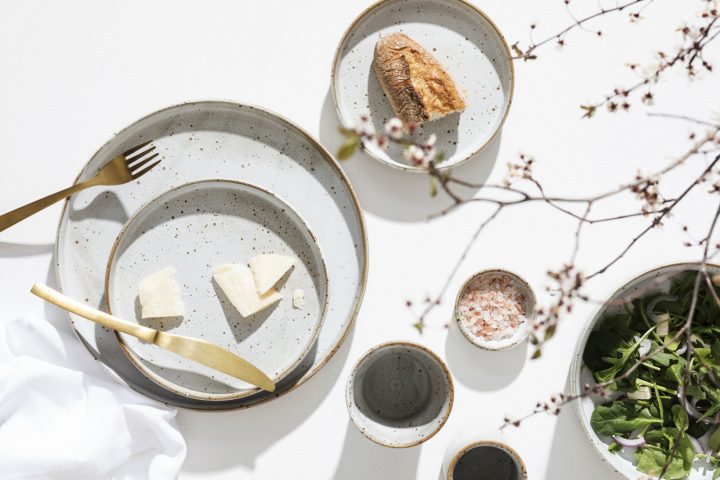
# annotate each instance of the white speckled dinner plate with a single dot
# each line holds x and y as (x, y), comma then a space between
(463, 39)
(203, 141)
(653, 281)
(193, 228)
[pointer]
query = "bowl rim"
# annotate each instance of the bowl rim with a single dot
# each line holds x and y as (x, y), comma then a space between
(349, 397)
(410, 168)
(158, 379)
(487, 443)
(531, 301)
(577, 363)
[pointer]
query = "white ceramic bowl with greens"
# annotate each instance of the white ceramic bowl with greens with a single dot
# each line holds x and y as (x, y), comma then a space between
(653, 287)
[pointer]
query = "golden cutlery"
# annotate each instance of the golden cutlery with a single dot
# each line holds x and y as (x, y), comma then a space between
(121, 169)
(197, 350)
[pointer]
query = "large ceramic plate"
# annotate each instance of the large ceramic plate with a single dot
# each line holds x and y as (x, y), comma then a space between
(463, 39)
(654, 281)
(193, 228)
(206, 140)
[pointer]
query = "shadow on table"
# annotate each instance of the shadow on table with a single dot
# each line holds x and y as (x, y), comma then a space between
(106, 205)
(479, 369)
(571, 454)
(252, 431)
(13, 250)
(362, 459)
(395, 194)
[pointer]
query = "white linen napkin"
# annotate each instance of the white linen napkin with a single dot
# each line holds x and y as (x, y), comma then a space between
(62, 416)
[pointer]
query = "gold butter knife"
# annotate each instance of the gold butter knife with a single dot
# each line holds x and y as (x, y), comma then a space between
(197, 350)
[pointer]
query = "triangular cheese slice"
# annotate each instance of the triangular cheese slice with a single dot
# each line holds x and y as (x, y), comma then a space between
(160, 295)
(268, 269)
(238, 283)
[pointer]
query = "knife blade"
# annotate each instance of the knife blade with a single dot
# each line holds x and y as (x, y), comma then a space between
(194, 349)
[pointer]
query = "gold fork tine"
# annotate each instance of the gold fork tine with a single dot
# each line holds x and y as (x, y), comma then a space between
(136, 148)
(129, 160)
(138, 165)
(143, 172)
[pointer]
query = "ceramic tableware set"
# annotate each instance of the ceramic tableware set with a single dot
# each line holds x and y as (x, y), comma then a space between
(237, 179)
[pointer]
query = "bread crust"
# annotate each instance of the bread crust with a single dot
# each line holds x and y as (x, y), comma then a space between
(416, 84)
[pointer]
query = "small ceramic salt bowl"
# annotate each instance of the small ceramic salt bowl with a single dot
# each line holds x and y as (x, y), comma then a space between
(399, 394)
(505, 295)
(482, 454)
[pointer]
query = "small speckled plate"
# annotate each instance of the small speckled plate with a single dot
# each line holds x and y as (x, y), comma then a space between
(399, 394)
(468, 45)
(193, 228)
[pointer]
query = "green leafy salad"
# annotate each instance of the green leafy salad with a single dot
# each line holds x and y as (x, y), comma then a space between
(667, 411)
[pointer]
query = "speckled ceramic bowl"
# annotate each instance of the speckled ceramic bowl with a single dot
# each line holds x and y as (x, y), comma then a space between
(654, 281)
(477, 455)
(399, 394)
(468, 45)
(521, 334)
(194, 227)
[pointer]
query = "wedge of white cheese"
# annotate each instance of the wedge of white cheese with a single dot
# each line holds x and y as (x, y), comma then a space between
(238, 283)
(160, 295)
(268, 269)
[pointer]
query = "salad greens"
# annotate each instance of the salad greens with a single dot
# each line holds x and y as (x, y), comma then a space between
(669, 417)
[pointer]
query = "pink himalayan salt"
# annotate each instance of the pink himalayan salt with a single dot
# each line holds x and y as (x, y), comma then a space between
(492, 307)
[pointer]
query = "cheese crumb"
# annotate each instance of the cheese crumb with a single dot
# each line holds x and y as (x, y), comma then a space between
(298, 298)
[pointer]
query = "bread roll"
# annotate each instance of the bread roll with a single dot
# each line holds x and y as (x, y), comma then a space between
(418, 87)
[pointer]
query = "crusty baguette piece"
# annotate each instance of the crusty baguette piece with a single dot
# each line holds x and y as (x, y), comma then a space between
(418, 87)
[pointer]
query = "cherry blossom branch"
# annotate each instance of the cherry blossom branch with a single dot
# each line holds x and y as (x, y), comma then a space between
(690, 54)
(568, 281)
(528, 53)
(556, 402)
(695, 38)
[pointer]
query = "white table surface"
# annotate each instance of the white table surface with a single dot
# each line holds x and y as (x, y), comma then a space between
(73, 73)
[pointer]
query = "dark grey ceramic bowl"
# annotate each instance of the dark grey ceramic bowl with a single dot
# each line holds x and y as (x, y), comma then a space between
(399, 394)
(480, 455)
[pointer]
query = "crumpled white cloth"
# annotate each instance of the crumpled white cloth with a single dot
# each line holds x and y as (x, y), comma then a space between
(63, 417)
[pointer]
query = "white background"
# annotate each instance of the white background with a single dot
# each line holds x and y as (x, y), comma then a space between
(72, 73)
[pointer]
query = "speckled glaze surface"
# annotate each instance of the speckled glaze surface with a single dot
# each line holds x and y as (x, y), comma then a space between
(468, 45)
(482, 455)
(521, 334)
(656, 280)
(195, 227)
(208, 140)
(399, 394)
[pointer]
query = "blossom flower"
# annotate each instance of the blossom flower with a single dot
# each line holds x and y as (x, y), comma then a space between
(393, 128)
(415, 155)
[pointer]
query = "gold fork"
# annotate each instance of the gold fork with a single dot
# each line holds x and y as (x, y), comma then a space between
(121, 169)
